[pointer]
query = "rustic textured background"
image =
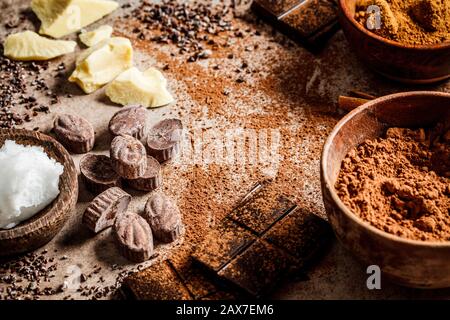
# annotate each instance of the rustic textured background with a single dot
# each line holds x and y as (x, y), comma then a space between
(286, 88)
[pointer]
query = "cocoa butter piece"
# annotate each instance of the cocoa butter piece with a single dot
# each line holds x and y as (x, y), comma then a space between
(163, 140)
(98, 173)
(130, 121)
(163, 216)
(102, 211)
(74, 132)
(128, 157)
(134, 237)
(151, 179)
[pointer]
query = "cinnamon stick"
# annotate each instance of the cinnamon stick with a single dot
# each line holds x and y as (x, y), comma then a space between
(350, 103)
(360, 94)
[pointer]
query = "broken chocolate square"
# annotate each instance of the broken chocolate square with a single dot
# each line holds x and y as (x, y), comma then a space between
(258, 269)
(310, 22)
(276, 7)
(193, 277)
(222, 244)
(311, 17)
(263, 210)
(302, 234)
(158, 282)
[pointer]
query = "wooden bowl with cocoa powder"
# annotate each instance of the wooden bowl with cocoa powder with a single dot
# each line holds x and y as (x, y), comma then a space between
(42, 227)
(406, 63)
(413, 263)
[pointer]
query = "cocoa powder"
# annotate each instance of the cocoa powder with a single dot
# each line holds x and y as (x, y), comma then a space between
(400, 183)
(413, 22)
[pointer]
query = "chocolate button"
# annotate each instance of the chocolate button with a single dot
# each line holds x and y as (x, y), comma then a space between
(128, 157)
(163, 140)
(134, 237)
(98, 173)
(164, 217)
(130, 121)
(75, 133)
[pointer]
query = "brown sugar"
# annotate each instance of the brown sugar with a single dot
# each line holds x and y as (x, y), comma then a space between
(400, 184)
(412, 22)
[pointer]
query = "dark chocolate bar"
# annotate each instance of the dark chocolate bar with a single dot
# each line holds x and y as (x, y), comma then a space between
(310, 17)
(310, 22)
(258, 269)
(173, 280)
(222, 244)
(277, 7)
(263, 210)
(261, 242)
(301, 234)
(193, 277)
(158, 282)
(220, 295)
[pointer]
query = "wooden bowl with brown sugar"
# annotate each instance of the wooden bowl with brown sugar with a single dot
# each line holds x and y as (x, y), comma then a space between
(397, 61)
(412, 263)
(42, 227)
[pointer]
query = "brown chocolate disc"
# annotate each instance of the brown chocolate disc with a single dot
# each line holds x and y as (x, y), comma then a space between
(75, 133)
(163, 140)
(134, 237)
(98, 173)
(128, 157)
(164, 217)
(130, 121)
(102, 211)
(151, 179)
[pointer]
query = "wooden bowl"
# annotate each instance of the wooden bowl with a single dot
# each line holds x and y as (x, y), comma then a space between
(407, 262)
(405, 63)
(42, 227)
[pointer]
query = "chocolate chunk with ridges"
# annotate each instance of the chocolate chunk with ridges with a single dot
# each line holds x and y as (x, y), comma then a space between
(133, 236)
(258, 269)
(98, 173)
(128, 157)
(302, 234)
(158, 282)
(163, 140)
(222, 244)
(74, 132)
(151, 179)
(164, 217)
(102, 211)
(130, 121)
(264, 209)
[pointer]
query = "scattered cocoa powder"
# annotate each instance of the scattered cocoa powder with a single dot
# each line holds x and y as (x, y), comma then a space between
(294, 94)
(413, 22)
(400, 183)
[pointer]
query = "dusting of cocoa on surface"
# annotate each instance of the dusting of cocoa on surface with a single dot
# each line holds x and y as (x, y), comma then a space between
(243, 85)
(400, 184)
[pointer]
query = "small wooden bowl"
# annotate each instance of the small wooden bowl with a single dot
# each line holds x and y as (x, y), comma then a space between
(407, 262)
(405, 63)
(41, 228)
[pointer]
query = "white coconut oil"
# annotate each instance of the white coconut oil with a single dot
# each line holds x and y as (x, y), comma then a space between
(29, 181)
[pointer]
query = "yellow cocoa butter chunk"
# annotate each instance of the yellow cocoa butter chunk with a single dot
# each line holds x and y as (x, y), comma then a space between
(62, 17)
(29, 45)
(101, 63)
(91, 38)
(147, 88)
